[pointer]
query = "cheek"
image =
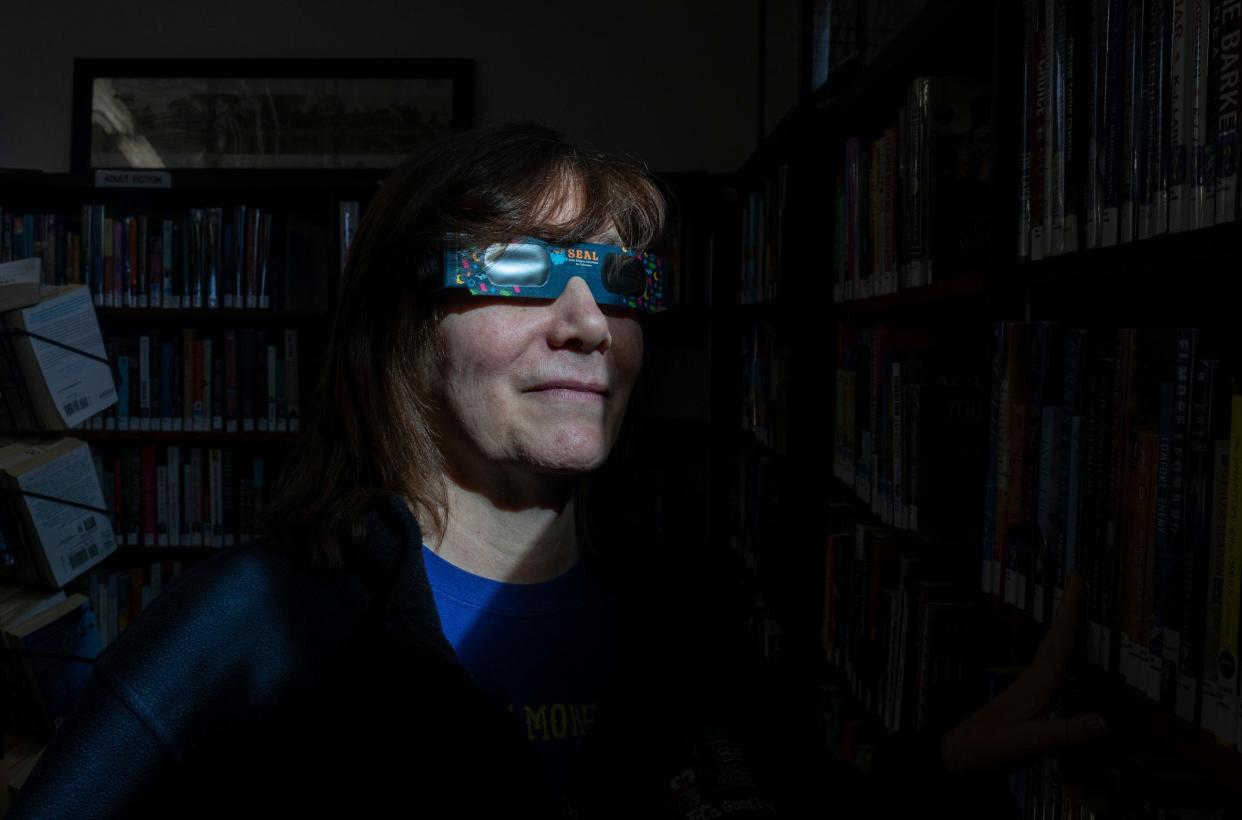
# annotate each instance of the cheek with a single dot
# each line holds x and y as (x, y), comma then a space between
(474, 359)
(627, 336)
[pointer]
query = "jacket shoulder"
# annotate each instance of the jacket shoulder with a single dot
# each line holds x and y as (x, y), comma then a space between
(236, 632)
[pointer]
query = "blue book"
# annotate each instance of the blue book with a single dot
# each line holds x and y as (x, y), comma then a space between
(122, 396)
(1072, 517)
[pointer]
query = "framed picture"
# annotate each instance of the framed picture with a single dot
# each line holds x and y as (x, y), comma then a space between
(349, 114)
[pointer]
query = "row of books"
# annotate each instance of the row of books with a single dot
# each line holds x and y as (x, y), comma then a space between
(765, 383)
(1129, 121)
(1116, 453)
(242, 257)
(181, 496)
(1141, 783)
(911, 201)
(239, 380)
(908, 642)
(852, 730)
(763, 243)
(908, 431)
(755, 499)
(850, 733)
(1142, 779)
(898, 627)
(119, 595)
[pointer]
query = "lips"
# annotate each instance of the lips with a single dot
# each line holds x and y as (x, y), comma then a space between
(570, 384)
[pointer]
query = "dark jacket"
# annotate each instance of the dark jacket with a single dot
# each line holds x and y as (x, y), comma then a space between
(254, 685)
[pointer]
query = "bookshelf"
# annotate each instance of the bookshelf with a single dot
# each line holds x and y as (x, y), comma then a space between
(798, 513)
(280, 235)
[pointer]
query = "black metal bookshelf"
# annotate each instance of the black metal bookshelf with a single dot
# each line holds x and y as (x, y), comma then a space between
(1174, 279)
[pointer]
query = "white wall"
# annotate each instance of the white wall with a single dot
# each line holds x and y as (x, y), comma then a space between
(671, 81)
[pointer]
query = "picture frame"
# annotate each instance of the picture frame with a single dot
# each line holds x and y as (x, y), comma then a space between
(264, 114)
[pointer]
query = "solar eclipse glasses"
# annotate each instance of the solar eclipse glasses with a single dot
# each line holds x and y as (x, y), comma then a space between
(533, 269)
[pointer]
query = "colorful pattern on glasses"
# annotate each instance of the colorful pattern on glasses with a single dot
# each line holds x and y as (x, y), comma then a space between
(473, 276)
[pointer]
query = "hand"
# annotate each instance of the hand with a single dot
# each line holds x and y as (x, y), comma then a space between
(1007, 733)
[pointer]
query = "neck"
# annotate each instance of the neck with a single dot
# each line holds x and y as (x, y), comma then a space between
(519, 531)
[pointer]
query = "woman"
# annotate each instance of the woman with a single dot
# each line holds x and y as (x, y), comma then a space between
(452, 610)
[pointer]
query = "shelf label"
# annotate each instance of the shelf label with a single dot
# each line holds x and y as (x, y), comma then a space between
(132, 179)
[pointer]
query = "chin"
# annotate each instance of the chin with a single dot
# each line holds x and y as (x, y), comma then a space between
(572, 452)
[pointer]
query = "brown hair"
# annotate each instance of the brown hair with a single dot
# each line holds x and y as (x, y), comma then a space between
(367, 428)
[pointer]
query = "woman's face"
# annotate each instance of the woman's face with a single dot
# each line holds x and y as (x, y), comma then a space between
(538, 383)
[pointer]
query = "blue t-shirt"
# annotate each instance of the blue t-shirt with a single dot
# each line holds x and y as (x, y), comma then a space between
(546, 650)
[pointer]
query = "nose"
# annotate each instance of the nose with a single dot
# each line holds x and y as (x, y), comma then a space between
(579, 321)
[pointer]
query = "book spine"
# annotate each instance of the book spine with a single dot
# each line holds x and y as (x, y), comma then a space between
(237, 287)
(1181, 101)
(1059, 104)
(1096, 502)
(194, 496)
(211, 284)
(1041, 127)
(195, 388)
(150, 510)
(1196, 525)
(133, 496)
(292, 380)
(217, 497)
(116, 284)
(1112, 118)
(1048, 495)
(217, 390)
(265, 255)
(1161, 547)
(155, 267)
(204, 374)
(896, 403)
(1230, 64)
(1152, 44)
(1117, 467)
(1206, 93)
(1025, 125)
(1218, 709)
(141, 262)
(123, 392)
(228, 497)
(921, 173)
(1231, 581)
(166, 264)
(175, 497)
(1177, 543)
(161, 498)
(133, 259)
(267, 390)
(86, 262)
(143, 417)
(181, 264)
(1130, 531)
(1149, 455)
(246, 392)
